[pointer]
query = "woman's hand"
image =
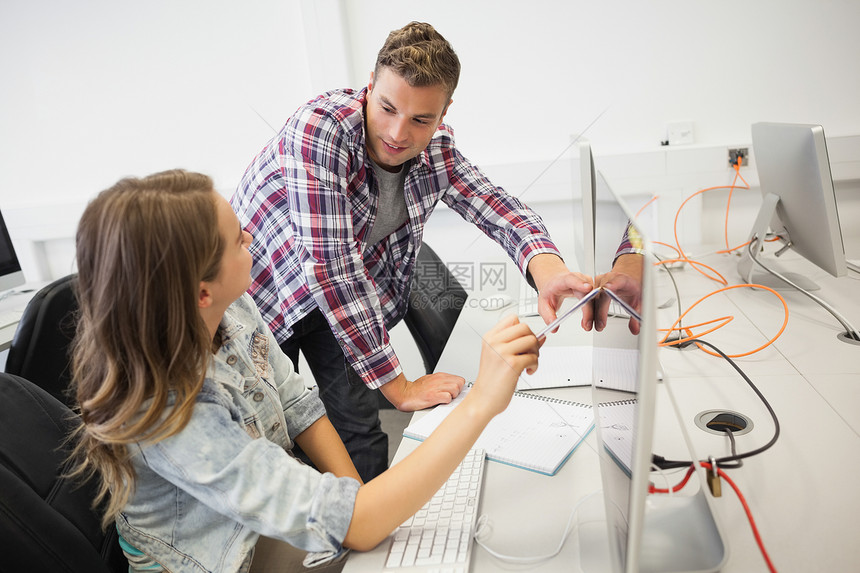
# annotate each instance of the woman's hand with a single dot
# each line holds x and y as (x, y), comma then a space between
(508, 348)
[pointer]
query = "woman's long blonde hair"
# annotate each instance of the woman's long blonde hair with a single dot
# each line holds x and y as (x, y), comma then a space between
(143, 246)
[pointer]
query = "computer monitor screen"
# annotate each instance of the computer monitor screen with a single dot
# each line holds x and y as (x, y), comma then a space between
(598, 257)
(645, 533)
(11, 274)
(799, 206)
(799, 199)
(588, 185)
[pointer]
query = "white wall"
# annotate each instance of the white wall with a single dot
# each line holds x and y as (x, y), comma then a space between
(98, 89)
(95, 90)
(536, 72)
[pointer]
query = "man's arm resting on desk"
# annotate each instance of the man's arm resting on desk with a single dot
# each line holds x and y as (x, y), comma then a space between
(427, 391)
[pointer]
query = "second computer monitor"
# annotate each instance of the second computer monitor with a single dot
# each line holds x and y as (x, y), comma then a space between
(799, 198)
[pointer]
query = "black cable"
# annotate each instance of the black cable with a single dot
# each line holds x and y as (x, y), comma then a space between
(738, 463)
(678, 335)
(674, 285)
(663, 463)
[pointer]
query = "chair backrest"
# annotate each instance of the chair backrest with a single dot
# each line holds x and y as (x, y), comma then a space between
(435, 301)
(40, 347)
(46, 521)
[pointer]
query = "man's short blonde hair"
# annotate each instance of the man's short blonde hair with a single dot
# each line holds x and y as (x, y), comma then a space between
(421, 56)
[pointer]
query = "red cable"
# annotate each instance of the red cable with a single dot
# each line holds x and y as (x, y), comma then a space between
(677, 488)
(743, 500)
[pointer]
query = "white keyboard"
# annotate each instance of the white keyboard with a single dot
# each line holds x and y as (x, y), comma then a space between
(439, 536)
(528, 300)
(9, 317)
(853, 264)
(616, 309)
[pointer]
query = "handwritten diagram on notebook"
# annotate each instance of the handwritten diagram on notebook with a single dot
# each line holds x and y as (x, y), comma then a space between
(559, 367)
(535, 432)
(617, 423)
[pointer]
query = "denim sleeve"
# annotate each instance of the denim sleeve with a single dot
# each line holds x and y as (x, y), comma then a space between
(302, 405)
(254, 481)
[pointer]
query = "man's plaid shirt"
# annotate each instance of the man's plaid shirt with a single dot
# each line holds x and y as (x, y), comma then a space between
(309, 199)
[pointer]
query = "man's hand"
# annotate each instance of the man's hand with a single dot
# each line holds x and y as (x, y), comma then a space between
(555, 283)
(427, 391)
(625, 280)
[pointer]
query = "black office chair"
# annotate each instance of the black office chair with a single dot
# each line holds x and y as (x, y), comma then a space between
(40, 347)
(435, 301)
(46, 521)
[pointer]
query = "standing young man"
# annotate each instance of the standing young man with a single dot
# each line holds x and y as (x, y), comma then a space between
(337, 202)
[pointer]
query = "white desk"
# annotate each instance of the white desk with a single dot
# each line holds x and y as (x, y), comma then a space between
(802, 492)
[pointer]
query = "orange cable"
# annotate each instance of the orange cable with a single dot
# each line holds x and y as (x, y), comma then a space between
(731, 189)
(729, 204)
(675, 225)
(642, 208)
(770, 240)
(722, 280)
(690, 336)
(689, 331)
(683, 258)
(746, 185)
(673, 247)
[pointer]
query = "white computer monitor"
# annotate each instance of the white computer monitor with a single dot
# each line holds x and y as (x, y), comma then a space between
(799, 199)
(799, 207)
(645, 532)
(588, 185)
(11, 275)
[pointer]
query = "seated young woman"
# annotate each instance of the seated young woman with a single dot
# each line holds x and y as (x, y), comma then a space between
(189, 408)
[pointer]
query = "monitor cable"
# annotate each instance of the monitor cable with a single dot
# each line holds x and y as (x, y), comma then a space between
(850, 333)
(483, 527)
(715, 466)
(734, 457)
(674, 340)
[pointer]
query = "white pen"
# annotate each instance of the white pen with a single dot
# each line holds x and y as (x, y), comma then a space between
(555, 323)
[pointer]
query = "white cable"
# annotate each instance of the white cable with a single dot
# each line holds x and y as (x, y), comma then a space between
(660, 471)
(483, 525)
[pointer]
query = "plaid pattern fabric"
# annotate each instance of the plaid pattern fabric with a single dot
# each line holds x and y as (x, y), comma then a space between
(631, 242)
(309, 198)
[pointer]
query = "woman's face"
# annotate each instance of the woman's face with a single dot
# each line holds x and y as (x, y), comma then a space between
(234, 275)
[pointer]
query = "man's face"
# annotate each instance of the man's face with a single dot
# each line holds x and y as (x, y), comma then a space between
(401, 119)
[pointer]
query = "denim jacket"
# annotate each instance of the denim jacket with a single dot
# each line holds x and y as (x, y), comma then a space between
(203, 496)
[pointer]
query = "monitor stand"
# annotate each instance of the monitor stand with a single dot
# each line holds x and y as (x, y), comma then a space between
(747, 265)
(680, 534)
(790, 280)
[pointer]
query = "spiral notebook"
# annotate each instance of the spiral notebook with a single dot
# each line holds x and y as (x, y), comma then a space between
(536, 433)
(560, 367)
